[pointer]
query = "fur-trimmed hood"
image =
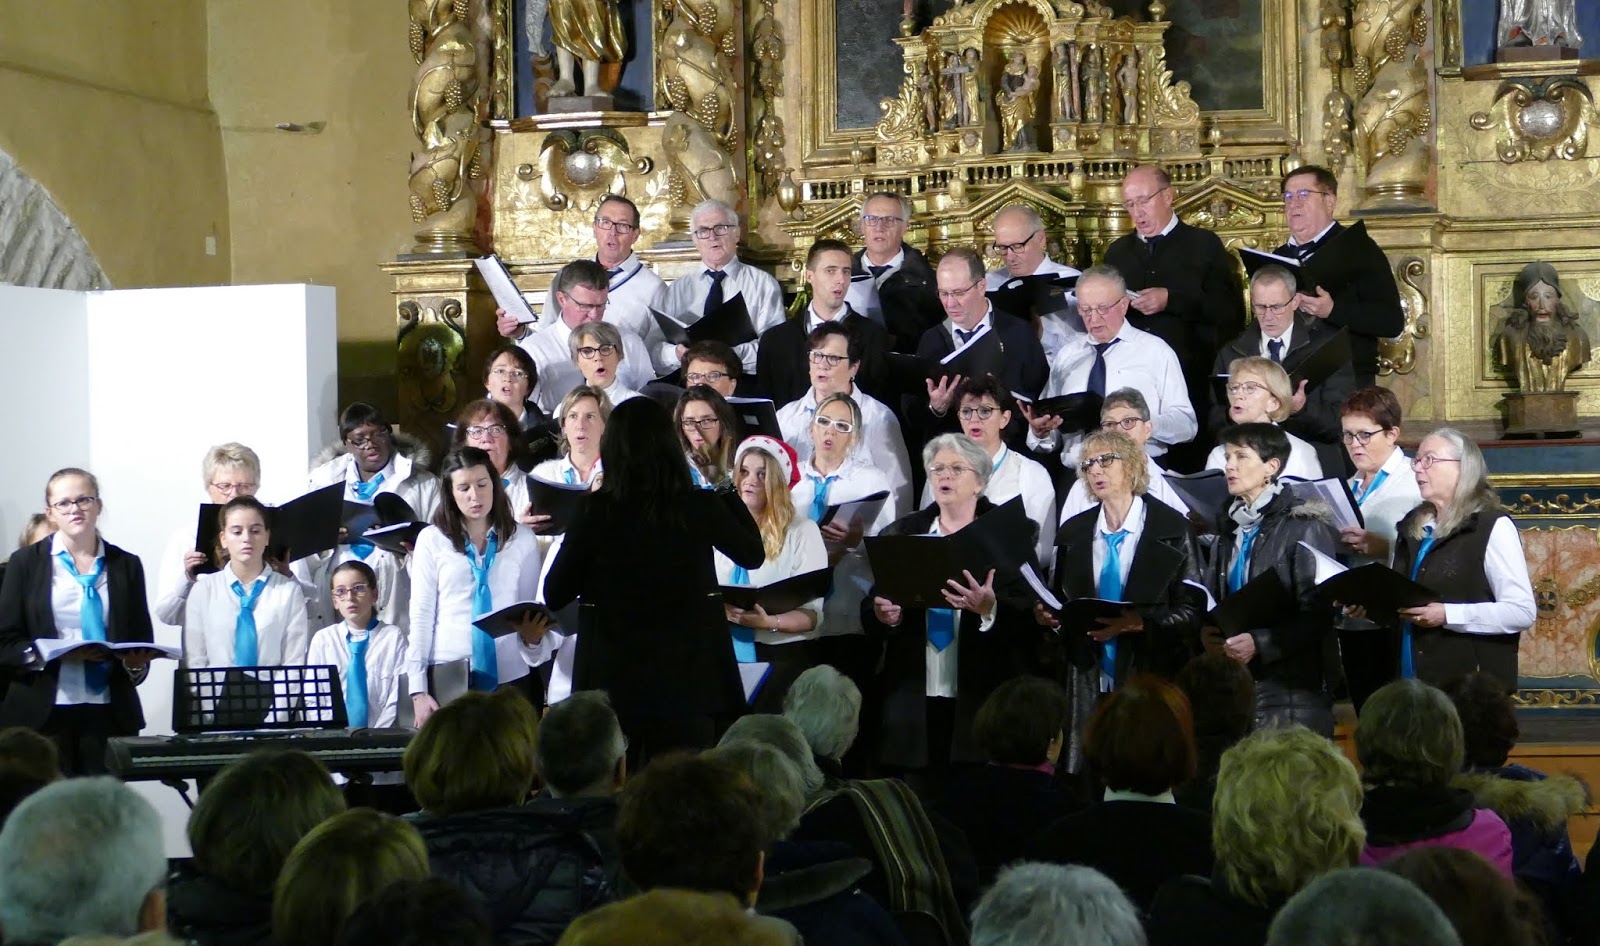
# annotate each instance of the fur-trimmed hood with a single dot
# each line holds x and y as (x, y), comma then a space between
(404, 444)
(1305, 508)
(1546, 803)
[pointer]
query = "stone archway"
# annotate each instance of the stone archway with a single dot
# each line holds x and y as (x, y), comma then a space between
(39, 246)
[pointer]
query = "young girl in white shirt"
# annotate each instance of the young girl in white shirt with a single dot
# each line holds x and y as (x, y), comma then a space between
(247, 614)
(473, 560)
(367, 651)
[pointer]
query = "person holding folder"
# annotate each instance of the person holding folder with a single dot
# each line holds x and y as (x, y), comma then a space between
(940, 664)
(368, 652)
(228, 470)
(653, 634)
(1462, 543)
(73, 585)
(764, 472)
(473, 560)
(1284, 651)
(706, 429)
(1259, 393)
(719, 277)
(247, 614)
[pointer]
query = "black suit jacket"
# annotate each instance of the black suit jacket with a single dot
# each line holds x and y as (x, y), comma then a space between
(1025, 371)
(783, 372)
(1139, 844)
(1318, 423)
(910, 298)
(1205, 301)
(1365, 298)
(26, 615)
(1172, 610)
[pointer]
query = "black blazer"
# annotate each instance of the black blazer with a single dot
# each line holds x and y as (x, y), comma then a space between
(909, 297)
(653, 633)
(1139, 844)
(26, 614)
(1173, 611)
(1026, 371)
(783, 371)
(1366, 299)
(1205, 303)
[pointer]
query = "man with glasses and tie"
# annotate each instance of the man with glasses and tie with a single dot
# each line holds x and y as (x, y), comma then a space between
(720, 277)
(782, 366)
(1020, 240)
(1347, 279)
(1112, 355)
(581, 296)
(1288, 339)
(891, 282)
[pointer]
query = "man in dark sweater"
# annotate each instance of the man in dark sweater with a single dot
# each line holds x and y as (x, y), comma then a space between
(891, 281)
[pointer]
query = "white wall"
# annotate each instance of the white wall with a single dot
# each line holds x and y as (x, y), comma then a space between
(135, 386)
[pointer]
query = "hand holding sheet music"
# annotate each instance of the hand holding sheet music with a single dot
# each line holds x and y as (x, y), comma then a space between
(504, 288)
(1378, 589)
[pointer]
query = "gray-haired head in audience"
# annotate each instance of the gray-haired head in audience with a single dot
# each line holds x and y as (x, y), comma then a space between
(81, 857)
(783, 794)
(826, 705)
(1361, 906)
(1055, 905)
(783, 735)
(581, 746)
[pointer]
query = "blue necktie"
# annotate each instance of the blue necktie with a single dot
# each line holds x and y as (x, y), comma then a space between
(91, 619)
(570, 475)
(963, 336)
(485, 671)
(714, 297)
(1110, 589)
(1362, 494)
(365, 491)
(744, 638)
(246, 646)
(355, 684)
(819, 495)
(877, 272)
(1097, 371)
(1275, 349)
(941, 628)
(1408, 665)
(613, 273)
(699, 478)
(1241, 565)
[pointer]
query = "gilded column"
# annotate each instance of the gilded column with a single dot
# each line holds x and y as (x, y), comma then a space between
(447, 108)
(1393, 115)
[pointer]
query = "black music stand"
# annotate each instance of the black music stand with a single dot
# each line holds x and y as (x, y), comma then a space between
(230, 699)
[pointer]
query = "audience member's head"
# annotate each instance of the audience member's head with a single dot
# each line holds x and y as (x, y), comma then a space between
(1046, 904)
(431, 911)
(253, 814)
(581, 750)
(1409, 734)
(474, 754)
(338, 866)
(28, 762)
(676, 918)
(692, 822)
(783, 794)
(1287, 810)
(1141, 738)
(82, 857)
(1485, 908)
(1023, 722)
(1361, 906)
(1489, 727)
(782, 734)
(826, 705)
(1222, 695)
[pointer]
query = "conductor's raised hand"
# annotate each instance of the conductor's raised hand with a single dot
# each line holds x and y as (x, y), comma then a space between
(941, 395)
(977, 597)
(1041, 424)
(887, 612)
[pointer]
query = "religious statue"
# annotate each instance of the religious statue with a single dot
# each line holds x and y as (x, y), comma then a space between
(1541, 341)
(1539, 23)
(953, 96)
(1094, 86)
(587, 32)
(1016, 103)
(1065, 61)
(1128, 84)
(928, 91)
(974, 89)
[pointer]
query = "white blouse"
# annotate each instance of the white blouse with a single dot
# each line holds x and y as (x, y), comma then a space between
(1079, 499)
(852, 577)
(212, 612)
(386, 649)
(1303, 463)
(879, 439)
(66, 606)
(802, 552)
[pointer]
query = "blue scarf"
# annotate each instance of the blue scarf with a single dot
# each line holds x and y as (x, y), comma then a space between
(485, 671)
(744, 638)
(1408, 660)
(1110, 588)
(246, 643)
(91, 619)
(819, 495)
(355, 684)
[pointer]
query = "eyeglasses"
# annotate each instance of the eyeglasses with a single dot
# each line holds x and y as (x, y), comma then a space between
(981, 413)
(377, 436)
(1003, 249)
(591, 352)
(234, 489)
(1127, 423)
(953, 294)
(491, 431)
(1359, 436)
(354, 591)
(842, 426)
(509, 374)
(832, 361)
(878, 220)
(1295, 197)
(617, 225)
(941, 469)
(82, 503)
(1103, 461)
(1246, 387)
(703, 423)
(1259, 309)
(1099, 310)
(585, 307)
(1140, 203)
(721, 229)
(1426, 461)
(704, 377)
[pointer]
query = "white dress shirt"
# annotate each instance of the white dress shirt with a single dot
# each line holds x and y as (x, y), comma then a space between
(1287, 338)
(862, 295)
(1016, 475)
(802, 552)
(941, 666)
(558, 371)
(1303, 463)
(386, 650)
(1057, 327)
(415, 485)
(852, 576)
(66, 606)
(617, 392)
(1133, 524)
(210, 615)
(1137, 360)
(686, 302)
(1381, 511)
(1320, 234)
(633, 291)
(879, 438)
(1080, 499)
(442, 607)
(1512, 610)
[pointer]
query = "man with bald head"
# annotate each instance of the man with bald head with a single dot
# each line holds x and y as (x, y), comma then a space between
(1188, 286)
(891, 281)
(1020, 240)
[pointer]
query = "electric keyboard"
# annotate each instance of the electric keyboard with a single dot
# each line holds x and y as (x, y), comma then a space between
(166, 758)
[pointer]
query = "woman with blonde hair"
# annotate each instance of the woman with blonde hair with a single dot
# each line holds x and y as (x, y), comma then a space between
(764, 472)
(1287, 810)
(1259, 392)
(337, 866)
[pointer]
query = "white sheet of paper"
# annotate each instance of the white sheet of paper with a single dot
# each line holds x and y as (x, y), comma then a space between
(751, 676)
(1039, 589)
(51, 649)
(504, 289)
(1327, 565)
(1211, 603)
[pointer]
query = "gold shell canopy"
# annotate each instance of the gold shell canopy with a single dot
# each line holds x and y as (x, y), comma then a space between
(1017, 23)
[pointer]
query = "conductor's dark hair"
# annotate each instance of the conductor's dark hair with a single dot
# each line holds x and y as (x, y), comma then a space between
(360, 414)
(825, 246)
(1267, 440)
(448, 517)
(982, 386)
(819, 336)
(522, 358)
(645, 471)
(1325, 178)
(426, 912)
(1018, 721)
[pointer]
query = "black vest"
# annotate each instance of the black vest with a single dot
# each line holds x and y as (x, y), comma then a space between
(1454, 568)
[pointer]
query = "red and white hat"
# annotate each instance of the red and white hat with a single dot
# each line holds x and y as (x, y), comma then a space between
(788, 460)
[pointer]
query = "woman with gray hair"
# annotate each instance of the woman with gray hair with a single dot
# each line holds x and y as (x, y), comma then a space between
(940, 664)
(1461, 543)
(826, 706)
(1045, 904)
(598, 352)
